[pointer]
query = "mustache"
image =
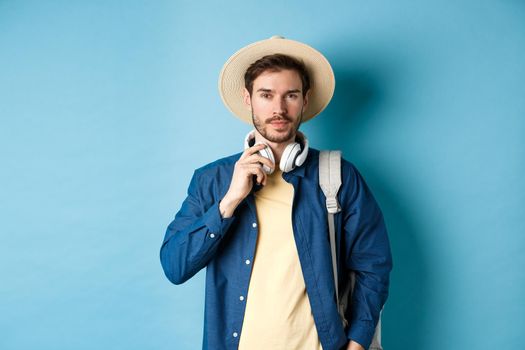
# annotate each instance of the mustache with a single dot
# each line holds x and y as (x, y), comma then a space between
(279, 117)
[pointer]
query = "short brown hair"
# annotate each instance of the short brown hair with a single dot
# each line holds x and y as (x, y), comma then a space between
(276, 63)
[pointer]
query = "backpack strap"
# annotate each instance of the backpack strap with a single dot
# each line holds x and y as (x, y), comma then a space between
(330, 182)
(330, 178)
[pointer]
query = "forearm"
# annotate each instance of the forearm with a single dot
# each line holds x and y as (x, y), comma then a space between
(191, 242)
(228, 205)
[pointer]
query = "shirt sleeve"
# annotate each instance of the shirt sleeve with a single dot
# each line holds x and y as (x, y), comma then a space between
(368, 254)
(193, 237)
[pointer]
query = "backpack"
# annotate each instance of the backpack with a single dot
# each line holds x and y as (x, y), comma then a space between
(330, 181)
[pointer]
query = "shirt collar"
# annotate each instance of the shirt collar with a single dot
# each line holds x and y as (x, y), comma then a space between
(298, 171)
(301, 170)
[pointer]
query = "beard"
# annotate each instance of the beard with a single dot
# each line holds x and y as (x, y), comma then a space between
(261, 127)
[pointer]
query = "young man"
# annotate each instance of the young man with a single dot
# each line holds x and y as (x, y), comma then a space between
(257, 220)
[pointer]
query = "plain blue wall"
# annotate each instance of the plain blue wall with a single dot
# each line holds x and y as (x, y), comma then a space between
(106, 108)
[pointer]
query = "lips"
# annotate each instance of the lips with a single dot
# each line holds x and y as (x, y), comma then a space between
(279, 122)
(279, 125)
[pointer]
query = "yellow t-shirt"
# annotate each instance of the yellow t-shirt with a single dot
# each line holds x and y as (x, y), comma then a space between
(278, 314)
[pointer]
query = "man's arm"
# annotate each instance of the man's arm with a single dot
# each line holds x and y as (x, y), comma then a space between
(193, 237)
(368, 254)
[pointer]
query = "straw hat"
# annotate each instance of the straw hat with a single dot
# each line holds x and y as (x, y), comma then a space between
(231, 78)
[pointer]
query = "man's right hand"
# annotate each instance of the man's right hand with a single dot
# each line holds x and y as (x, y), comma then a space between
(248, 165)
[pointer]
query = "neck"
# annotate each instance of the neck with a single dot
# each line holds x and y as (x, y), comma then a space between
(277, 147)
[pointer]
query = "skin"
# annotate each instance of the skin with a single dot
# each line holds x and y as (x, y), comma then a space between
(276, 104)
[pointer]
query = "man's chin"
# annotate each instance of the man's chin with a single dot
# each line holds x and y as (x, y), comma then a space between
(278, 136)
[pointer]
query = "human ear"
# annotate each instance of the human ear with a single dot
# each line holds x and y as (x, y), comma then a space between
(305, 99)
(247, 99)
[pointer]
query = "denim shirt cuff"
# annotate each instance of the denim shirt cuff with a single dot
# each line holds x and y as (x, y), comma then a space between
(361, 332)
(215, 222)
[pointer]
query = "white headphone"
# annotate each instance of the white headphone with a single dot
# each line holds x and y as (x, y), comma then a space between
(292, 156)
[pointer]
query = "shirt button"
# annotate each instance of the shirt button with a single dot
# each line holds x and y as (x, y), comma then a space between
(247, 262)
(241, 298)
(212, 235)
(254, 225)
(235, 334)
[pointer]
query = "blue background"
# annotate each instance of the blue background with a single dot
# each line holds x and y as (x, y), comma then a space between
(107, 107)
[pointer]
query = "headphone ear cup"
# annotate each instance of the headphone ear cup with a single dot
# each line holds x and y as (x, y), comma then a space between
(301, 157)
(266, 152)
(249, 139)
(289, 156)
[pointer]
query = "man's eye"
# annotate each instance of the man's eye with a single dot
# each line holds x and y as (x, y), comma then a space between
(292, 96)
(265, 95)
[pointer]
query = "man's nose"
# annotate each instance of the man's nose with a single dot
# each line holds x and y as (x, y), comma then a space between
(280, 106)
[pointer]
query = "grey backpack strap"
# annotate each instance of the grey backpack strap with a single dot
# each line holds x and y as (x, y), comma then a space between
(330, 178)
(330, 182)
(376, 340)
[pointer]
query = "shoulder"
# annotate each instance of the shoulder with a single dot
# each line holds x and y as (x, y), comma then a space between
(218, 168)
(354, 189)
(348, 169)
(351, 178)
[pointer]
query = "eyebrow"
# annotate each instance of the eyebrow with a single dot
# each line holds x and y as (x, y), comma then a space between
(270, 90)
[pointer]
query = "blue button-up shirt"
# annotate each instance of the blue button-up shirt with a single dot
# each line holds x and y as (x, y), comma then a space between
(199, 237)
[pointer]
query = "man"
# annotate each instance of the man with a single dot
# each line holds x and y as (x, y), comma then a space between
(257, 220)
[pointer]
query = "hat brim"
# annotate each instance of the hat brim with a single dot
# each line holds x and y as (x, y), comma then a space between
(231, 78)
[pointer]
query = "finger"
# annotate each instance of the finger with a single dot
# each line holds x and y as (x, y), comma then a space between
(256, 170)
(252, 169)
(261, 176)
(256, 166)
(254, 149)
(257, 158)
